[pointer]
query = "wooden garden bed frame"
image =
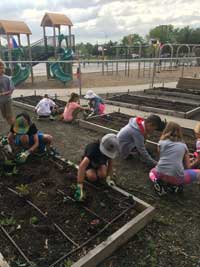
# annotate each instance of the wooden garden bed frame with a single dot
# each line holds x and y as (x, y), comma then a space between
(123, 234)
(179, 114)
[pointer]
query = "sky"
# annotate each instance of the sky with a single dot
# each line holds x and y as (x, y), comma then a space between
(98, 21)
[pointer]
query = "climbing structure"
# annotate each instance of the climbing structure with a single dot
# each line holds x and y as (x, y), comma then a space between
(63, 71)
(13, 52)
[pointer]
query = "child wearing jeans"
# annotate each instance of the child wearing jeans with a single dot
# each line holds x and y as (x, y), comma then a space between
(6, 89)
(95, 103)
(174, 163)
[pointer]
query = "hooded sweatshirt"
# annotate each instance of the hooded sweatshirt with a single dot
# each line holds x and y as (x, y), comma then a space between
(131, 137)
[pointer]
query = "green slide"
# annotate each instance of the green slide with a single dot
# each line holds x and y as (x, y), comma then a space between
(20, 74)
(57, 69)
(59, 74)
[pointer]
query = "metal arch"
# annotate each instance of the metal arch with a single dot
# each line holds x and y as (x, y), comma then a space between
(194, 47)
(183, 45)
(171, 48)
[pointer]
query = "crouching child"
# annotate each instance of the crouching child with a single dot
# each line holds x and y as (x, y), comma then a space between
(97, 162)
(25, 134)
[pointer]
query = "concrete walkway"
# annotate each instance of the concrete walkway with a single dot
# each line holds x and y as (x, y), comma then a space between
(98, 90)
(63, 94)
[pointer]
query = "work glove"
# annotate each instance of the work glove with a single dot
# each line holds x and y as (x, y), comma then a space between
(109, 181)
(22, 157)
(91, 114)
(79, 194)
(5, 144)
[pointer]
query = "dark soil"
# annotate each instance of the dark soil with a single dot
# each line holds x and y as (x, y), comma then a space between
(44, 178)
(177, 90)
(34, 99)
(172, 239)
(155, 102)
(117, 120)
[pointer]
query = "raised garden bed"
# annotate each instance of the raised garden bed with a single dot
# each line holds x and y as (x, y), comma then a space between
(29, 102)
(113, 122)
(180, 94)
(41, 223)
(155, 104)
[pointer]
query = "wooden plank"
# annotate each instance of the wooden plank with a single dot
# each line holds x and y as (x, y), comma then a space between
(148, 109)
(192, 112)
(96, 127)
(116, 240)
(3, 262)
(23, 105)
(103, 129)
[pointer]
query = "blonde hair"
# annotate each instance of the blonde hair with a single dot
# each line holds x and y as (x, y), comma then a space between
(172, 132)
(197, 128)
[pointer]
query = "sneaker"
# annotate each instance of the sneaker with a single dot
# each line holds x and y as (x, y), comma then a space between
(52, 118)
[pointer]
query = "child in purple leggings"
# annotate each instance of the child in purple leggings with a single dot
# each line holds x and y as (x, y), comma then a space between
(174, 165)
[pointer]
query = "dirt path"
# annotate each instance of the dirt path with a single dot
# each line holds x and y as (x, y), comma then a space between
(173, 237)
(109, 79)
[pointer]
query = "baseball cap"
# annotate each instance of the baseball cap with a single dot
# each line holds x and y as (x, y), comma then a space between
(109, 145)
(21, 125)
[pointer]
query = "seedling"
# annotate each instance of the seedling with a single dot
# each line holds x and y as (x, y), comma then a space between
(33, 220)
(23, 189)
(7, 221)
(68, 263)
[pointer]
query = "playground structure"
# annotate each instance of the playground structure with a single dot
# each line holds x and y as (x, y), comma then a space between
(62, 72)
(11, 28)
(43, 49)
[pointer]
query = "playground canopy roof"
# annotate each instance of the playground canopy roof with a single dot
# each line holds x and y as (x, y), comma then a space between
(13, 27)
(55, 19)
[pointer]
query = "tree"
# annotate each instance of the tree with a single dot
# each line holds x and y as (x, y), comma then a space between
(132, 39)
(164, 33)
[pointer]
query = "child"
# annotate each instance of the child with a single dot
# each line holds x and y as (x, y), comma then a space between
(45, 107)
(196, 159)
(97, 162)
(24, 133)
(96, 103)
(6, 89)
(174, 164)
(72, 108)
(131, 137)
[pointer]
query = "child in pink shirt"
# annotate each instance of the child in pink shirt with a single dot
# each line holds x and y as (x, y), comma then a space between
(72, 108)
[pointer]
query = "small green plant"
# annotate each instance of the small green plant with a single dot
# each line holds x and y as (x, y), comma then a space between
(7, 221)
(33, 220)
(73, 186)
(68, 263)
(23, 189)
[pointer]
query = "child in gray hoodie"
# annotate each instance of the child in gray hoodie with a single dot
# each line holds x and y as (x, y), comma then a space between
(132, 136)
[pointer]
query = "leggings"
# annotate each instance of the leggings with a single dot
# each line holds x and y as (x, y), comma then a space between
(190, 176)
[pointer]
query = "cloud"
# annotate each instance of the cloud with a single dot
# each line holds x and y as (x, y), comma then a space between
(103, 20)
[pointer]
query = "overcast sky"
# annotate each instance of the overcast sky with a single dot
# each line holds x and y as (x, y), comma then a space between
(103, 20)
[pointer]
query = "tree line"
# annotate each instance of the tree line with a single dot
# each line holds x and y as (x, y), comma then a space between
(128, 46)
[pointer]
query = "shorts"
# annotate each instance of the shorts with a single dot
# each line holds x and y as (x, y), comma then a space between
(6, 109)
(190, 176)
(90, 166)
(31, 141)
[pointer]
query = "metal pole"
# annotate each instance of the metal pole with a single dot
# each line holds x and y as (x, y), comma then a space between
(30, 56)
(80, 80)
(9, 53)
(153, 74)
